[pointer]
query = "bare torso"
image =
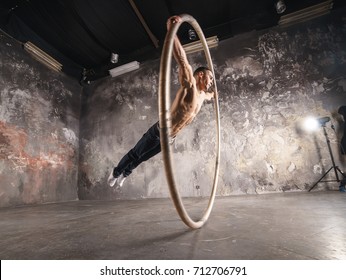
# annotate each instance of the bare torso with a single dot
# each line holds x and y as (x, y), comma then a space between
(185, 107)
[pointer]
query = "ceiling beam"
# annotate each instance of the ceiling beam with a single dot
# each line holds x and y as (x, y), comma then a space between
(139, 15)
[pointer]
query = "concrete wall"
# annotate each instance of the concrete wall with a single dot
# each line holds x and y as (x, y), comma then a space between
(268, 83)
(39, 130)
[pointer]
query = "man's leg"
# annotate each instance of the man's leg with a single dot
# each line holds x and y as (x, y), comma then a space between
(146, 146)
(154, 151)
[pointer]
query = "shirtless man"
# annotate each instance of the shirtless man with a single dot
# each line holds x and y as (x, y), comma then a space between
(187, 103)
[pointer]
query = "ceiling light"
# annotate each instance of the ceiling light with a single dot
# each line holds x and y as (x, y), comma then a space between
(42, 57)
(307, 13)
(114, 58)
(280, 6)
(197, 46)
(134, 65)
(192, 35)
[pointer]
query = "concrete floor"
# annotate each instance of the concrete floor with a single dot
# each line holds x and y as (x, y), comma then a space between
(296, 226)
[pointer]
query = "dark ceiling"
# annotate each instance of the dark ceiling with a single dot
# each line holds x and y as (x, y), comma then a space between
(82, 34)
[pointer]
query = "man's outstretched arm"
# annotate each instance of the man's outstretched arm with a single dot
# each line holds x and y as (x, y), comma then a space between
(185, 69)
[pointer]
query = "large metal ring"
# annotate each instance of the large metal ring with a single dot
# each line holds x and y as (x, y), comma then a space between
(165, 121)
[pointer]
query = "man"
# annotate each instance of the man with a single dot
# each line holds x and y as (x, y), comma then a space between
(342, 111)
(187, 103)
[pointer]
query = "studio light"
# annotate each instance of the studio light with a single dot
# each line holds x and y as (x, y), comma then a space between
(42, 57)
(197, 46)
(321, 122)
(312, 124)
(134, 65)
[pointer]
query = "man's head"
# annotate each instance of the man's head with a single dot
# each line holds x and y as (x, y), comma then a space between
(342, 111)
(204, 78)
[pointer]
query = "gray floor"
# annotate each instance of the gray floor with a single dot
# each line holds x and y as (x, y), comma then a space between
(277, 226)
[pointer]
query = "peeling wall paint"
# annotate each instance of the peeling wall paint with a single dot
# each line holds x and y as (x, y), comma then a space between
(268, 83)
(39, 130)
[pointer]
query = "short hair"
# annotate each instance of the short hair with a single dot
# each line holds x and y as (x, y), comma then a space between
(202, 68)
(342, 111)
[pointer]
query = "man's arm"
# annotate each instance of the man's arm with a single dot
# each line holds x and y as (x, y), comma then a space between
(185, 69)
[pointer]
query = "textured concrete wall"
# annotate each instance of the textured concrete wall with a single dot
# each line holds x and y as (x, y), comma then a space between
(39, 130)
(268, 83)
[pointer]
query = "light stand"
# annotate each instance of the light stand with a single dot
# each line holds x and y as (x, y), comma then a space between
(334, 167)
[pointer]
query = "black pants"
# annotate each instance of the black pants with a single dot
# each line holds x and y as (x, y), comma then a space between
(147, 147)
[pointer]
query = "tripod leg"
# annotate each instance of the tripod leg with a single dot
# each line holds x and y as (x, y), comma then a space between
(321, 178)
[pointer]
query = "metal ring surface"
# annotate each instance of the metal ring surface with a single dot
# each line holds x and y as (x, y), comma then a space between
(165, 121)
